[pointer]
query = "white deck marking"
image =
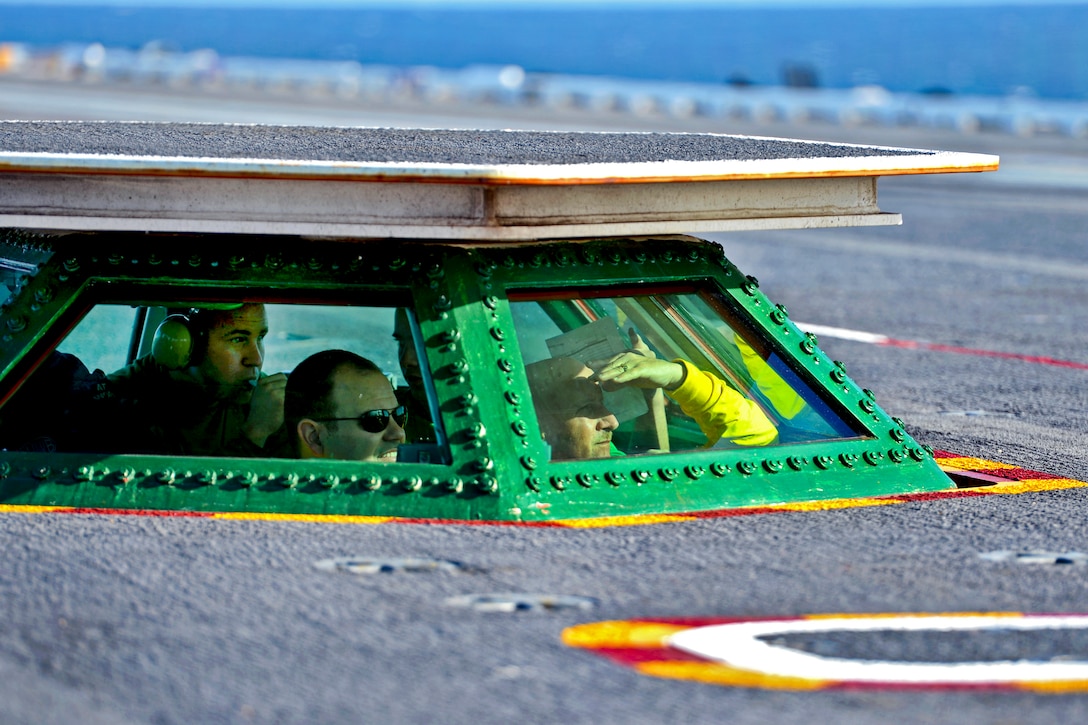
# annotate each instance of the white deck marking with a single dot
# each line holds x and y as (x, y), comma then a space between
(843, 333)
(873, 338)
(737, 645)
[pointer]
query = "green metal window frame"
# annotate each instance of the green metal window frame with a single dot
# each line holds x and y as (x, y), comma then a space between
(498, 469)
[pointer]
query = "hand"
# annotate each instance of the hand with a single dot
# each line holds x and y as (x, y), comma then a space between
(265, 408)
(638, 367)
(637, 370)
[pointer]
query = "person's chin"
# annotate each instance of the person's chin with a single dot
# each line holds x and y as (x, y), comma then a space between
(243, 391)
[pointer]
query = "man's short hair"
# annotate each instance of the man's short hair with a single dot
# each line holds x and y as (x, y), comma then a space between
(309, 386)
(202, 320)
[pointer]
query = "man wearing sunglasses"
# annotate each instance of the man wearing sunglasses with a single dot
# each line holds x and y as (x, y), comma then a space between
(340, 405)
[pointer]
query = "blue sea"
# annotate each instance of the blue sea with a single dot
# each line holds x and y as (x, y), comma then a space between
(986, 50)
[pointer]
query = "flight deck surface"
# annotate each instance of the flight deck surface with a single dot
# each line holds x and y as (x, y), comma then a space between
(123, 618)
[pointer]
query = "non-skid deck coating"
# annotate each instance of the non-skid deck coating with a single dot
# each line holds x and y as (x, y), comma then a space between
(392, 145)
(462, 155)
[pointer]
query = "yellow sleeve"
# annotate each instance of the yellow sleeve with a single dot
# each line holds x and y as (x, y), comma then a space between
(784, 398)
(720, 411)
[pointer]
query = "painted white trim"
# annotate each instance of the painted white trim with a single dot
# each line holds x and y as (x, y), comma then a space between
(842, 333)
(596, 173)
(437, 233)
(737, 645)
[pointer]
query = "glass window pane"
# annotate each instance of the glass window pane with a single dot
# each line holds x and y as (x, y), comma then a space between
(267, 380)
(101, 340)
(654, 373)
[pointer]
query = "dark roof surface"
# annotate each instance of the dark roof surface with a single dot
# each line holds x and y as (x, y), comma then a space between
(388, 145)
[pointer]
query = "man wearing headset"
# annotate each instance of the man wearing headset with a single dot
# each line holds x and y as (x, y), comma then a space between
(340, 405)
(201, 391)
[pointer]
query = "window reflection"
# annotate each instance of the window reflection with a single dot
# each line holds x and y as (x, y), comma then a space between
(231, 379)
(643, 374)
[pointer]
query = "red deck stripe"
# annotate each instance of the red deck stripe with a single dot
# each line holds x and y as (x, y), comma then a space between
(1022, 474)
(136, 512)
(938, 347)
(634, 656)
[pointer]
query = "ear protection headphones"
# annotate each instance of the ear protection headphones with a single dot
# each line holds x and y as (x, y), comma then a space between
(181, 340)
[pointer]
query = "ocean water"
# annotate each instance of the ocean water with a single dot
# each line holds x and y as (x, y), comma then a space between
(984, 50)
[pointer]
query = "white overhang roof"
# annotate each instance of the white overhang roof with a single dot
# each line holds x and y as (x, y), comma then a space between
(438, 184)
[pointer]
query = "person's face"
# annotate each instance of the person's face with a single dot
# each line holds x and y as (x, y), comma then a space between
(235, 351)
(354, 392)
(583, 427)
(406, 353)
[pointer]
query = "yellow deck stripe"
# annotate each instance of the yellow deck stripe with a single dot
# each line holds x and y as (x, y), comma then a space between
(834, 503)
(632, 520)
(720, 674)
(1031, 485)
(973, 464)
(7, 508)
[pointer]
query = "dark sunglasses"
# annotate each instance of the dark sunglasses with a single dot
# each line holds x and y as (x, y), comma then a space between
(375, 421)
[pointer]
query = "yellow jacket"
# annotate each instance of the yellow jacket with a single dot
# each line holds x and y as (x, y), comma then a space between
(720, 411)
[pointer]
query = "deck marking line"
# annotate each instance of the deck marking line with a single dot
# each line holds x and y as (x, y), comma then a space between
(633, 520)
(736, 652)
(873, 338)
(7, 508)
(741, 646)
